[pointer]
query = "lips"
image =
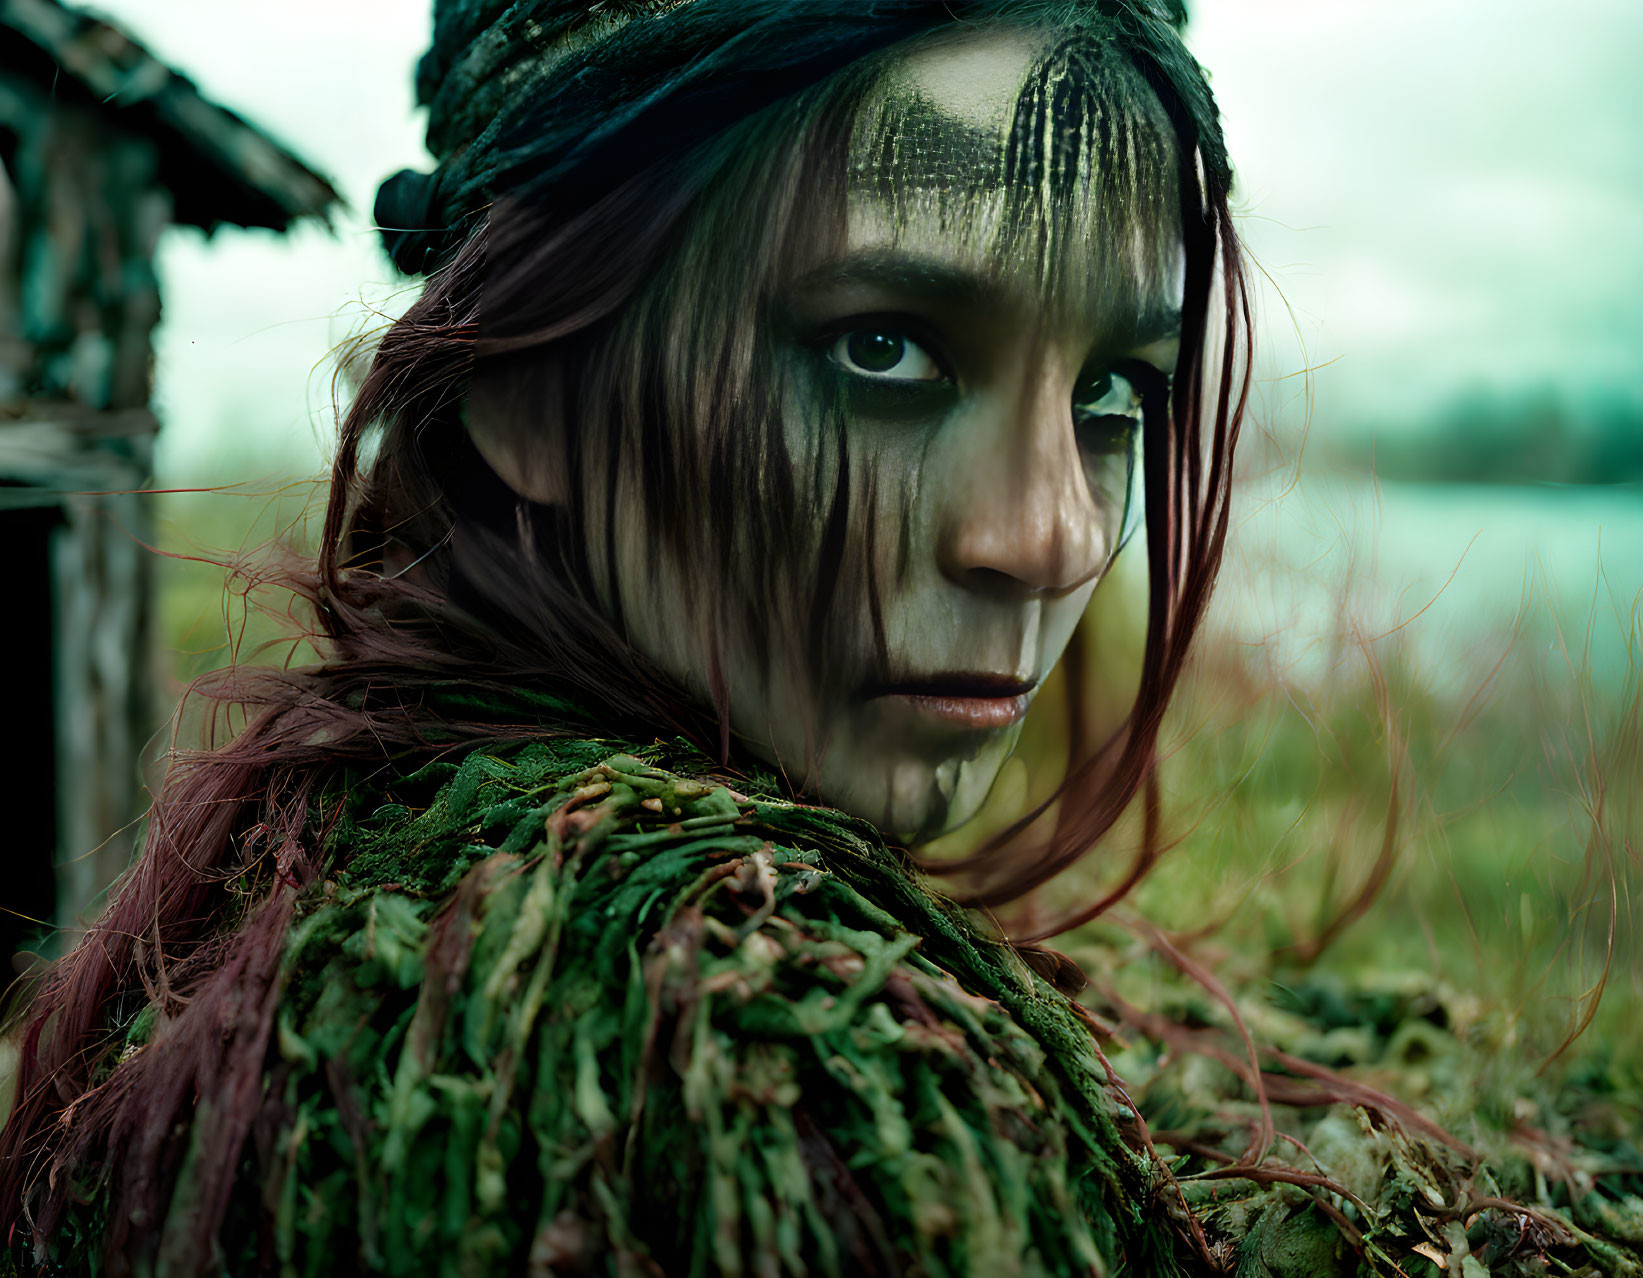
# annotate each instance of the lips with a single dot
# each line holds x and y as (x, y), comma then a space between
(968, 699)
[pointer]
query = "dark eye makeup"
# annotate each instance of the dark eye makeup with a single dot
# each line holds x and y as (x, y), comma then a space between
(1107, 407)
(888, 366)
(891, 364)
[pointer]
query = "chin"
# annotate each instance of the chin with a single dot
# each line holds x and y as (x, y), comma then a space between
(910, 796)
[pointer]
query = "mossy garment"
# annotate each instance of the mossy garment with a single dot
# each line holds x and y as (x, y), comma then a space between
(558, 1010)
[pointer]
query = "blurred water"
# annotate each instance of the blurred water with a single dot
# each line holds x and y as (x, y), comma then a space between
(1440, 571)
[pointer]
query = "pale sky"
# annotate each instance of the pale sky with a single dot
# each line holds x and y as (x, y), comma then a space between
(1446, 192)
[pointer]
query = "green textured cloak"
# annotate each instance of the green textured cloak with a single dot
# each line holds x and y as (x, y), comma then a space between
(556, 1010)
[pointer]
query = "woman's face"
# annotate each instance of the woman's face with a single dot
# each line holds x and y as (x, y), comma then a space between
(989, 367)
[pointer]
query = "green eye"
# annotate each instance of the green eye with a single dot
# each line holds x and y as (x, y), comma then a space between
(883, 355)
(1091, 390)
(1107, 410)
(1106, 394)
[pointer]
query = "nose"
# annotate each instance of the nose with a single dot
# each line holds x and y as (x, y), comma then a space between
(1021, 517)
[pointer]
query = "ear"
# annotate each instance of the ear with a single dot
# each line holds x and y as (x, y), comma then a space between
(515, 416)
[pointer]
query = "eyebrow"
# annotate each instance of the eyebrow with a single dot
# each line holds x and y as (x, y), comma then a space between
(1154, 324)
(938, 281)
(910, 273)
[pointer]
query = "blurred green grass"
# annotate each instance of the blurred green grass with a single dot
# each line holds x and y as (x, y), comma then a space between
(219, 601)
(1483, 839)
(1368, 820)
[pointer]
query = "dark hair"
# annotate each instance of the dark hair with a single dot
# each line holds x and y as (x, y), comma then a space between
(433, 576)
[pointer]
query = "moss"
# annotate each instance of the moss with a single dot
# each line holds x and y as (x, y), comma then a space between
(548, 1004)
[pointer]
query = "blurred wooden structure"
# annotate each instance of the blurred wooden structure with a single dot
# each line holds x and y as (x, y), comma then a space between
(101, 148)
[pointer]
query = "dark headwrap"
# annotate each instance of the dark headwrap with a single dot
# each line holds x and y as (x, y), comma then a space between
(532, 97)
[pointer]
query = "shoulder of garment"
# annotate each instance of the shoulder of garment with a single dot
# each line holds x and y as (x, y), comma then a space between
(620, 1020)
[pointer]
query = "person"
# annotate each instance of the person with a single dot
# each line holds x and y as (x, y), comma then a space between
(785, 381)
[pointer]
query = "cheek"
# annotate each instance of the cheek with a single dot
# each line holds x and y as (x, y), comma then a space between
(674, 605)
(658, 615)
(1061, 618)
(834, 527)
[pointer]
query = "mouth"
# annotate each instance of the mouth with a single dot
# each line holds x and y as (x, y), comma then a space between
(968, 699)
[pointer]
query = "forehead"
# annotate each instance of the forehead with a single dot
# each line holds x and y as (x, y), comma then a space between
(1040, 160)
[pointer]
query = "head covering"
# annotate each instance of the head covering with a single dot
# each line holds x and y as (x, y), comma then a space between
(562, 98)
